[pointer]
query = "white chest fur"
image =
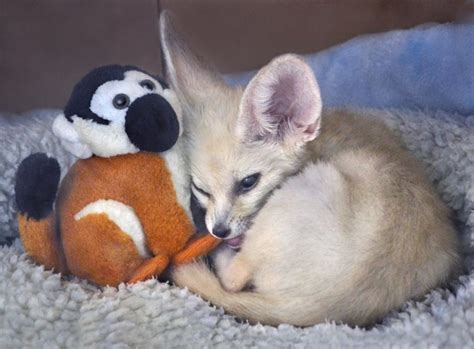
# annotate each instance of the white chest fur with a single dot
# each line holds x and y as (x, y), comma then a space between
(176, 162)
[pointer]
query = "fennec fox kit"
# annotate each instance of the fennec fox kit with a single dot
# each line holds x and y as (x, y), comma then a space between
(325, 215)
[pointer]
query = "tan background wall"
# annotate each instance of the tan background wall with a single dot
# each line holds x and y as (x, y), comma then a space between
(244, 34)
(47, 45)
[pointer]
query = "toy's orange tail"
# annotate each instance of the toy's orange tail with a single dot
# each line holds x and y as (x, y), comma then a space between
(36, 185)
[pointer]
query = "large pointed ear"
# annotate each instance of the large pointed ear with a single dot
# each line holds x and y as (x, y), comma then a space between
(281, 104)
(70, 139)
(191, 76)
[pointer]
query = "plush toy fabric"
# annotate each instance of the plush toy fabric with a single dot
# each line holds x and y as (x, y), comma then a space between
(122, 211)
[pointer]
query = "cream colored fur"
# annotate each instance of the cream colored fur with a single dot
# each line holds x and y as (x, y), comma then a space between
(344, 227)
(176, 162)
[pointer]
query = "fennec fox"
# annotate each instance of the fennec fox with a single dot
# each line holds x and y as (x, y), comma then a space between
(325, 215)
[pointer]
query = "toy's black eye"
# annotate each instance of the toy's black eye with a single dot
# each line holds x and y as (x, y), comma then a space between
(121, 101)
(148, 84)
(249, 182)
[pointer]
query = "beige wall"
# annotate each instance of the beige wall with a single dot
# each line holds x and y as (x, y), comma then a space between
(47, 45)
(244, 34)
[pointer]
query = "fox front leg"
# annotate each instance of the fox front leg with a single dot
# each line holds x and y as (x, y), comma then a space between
(237, 274)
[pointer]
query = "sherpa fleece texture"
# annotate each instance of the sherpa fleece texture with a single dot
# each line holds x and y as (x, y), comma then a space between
(39, 309)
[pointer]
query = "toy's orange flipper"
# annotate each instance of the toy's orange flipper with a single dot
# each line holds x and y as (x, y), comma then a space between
(149, 268)
(196, 248)
(40, 241)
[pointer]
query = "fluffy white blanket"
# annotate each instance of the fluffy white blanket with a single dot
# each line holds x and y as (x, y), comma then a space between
(39, 309)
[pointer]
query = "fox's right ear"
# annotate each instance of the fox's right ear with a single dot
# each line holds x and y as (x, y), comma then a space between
(193, 79)
(281, 104)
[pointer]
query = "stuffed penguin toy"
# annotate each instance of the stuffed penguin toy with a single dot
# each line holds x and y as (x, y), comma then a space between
(122, 211)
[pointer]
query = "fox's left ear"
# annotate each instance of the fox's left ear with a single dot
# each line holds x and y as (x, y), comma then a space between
(193, 78)
(281, 104)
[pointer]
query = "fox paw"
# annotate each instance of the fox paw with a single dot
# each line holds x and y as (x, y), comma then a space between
(236, 276)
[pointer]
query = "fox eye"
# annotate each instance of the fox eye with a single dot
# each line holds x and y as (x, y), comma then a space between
(202, 191)
(249, 182)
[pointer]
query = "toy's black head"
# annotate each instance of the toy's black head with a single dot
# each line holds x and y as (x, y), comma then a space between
(118, 110)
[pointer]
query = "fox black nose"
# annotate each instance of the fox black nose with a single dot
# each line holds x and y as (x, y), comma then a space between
(221, 231)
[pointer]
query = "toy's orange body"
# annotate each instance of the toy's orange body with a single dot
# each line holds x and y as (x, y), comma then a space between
(93, 246)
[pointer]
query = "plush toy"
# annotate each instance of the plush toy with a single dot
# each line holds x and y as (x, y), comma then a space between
(122, 211)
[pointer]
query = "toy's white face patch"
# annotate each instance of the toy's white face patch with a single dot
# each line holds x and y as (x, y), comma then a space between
(102, 101)
(84, 137)
(104, 140)
(110, 140)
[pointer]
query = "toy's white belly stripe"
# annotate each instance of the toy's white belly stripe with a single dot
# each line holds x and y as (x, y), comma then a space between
(123, 216)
